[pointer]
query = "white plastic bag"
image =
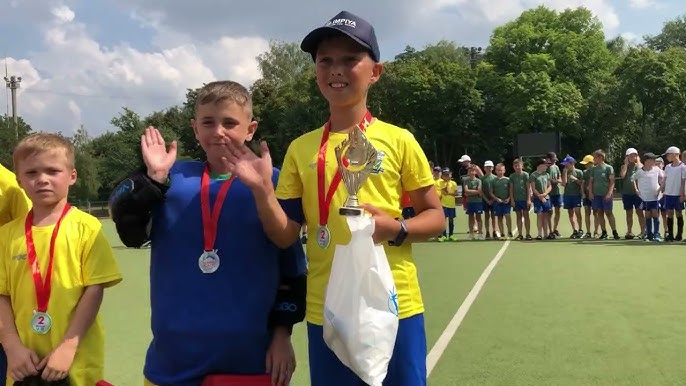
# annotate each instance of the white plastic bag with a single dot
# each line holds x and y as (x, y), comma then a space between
(361, 308)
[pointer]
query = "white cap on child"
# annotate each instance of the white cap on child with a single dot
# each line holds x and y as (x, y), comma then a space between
(488, 163)
(631, 151)
(673, 150)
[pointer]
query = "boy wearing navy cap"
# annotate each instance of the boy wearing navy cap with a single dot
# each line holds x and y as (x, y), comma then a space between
(347, 57)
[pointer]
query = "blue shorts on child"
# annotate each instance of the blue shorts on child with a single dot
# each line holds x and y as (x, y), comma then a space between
(449, 212)
(521, 205)
(542, 207)
(502, 209)
(475, 207)
(600, 203)
(407, 366)
(650, 205)
(571, 202)
(673, 203)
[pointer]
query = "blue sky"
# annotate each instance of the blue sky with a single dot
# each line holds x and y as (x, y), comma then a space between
(82, 61)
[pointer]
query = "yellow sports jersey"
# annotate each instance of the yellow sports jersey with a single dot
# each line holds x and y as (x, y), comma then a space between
(401, 166)
(83, 257)
(447, 200)
(438, 182)
(13, 201)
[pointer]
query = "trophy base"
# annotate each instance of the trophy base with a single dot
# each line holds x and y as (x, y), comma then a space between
(350, 211)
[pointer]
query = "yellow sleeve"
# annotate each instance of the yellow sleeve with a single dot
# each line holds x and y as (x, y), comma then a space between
(4, 252)
(415, 170)
(20, 203)
(452, 188)
(289, 185)
(98, 264)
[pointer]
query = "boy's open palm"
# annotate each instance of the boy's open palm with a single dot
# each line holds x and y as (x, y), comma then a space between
(56, 365)
(21, 362)
(252, 170)
(155, 154)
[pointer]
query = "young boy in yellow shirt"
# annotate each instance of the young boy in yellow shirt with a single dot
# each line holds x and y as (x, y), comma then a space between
(448, 195)
(55, 263)
(347, 63)
(13, 204)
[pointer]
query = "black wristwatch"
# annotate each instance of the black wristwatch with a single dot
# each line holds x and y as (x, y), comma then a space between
(401, 235)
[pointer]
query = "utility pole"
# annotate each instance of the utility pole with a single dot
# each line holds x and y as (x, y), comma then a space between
(474, 53)
(12, 83)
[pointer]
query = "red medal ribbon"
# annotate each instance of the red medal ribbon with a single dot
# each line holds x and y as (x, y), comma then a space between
(43, 286)
(325, 201)
(210, 221)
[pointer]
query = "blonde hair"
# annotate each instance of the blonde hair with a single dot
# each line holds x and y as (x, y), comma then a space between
(39, 143)
(517, 161)
(599, 153)
(224, 90)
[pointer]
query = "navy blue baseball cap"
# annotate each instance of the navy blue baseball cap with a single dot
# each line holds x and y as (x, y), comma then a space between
(568, 160)
(349, 25)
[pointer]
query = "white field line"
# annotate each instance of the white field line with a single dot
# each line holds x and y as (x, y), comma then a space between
(450, 330)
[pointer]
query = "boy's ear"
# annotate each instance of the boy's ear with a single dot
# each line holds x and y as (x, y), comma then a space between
(252, 128)
(377, 70)
(72, 177)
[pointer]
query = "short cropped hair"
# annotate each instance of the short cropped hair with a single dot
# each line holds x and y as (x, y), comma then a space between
(500, 164)
(599, 153)
(224, 90)
(517, 161)
(38, 143)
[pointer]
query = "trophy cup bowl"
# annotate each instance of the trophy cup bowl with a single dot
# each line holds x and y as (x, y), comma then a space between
(356, 157)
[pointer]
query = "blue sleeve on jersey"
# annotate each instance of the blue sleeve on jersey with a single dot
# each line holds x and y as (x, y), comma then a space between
(294, 209)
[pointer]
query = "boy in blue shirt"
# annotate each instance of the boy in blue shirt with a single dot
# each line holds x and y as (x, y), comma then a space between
(223, 297)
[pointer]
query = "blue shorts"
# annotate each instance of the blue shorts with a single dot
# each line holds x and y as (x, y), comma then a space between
(449, 212)
(650, 205)
(488, 207)
(542, 207)
(407, 366)
(588, 202)
(673, 203)
(521, 206)
(409, 212)
(3, 363)
(661, 203)
(555, 201)
(572, 202)
(631, 201)
(475, 207)
(599, 203)
(501, 209)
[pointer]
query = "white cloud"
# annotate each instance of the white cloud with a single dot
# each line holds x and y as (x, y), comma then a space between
(75, 80)
(63, 14)
(641, 4)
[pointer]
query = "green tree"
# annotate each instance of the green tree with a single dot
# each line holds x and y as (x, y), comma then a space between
(673, 34)
(88, 182)
(656, 82)
(9, 139)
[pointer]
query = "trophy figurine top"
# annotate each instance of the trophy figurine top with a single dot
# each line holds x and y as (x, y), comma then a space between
(356, 158)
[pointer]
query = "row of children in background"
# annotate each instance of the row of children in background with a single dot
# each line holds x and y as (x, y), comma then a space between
(646, 190)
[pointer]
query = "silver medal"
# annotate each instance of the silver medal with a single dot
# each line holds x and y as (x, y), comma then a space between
(209, 261)
(323, 236)
(41, 322)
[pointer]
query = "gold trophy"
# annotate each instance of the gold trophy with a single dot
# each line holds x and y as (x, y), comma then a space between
(356, 158)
